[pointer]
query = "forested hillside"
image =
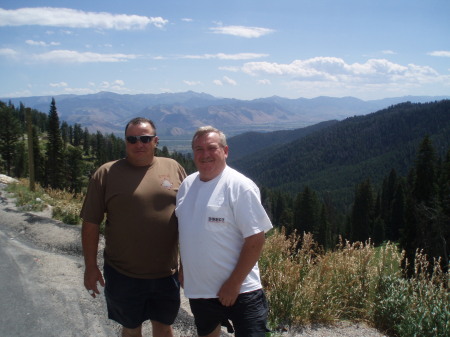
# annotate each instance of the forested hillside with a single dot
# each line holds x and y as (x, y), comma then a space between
(251, 142)
(336, 158)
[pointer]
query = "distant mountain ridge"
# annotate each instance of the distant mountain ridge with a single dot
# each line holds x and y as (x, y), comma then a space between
(179, 114)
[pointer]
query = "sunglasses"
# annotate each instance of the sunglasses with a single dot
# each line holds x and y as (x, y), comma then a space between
(144, 139)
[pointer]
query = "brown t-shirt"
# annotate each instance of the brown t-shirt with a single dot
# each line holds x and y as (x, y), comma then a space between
(141, 232)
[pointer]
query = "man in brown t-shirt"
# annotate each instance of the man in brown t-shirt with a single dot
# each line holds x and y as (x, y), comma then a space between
(137, 195)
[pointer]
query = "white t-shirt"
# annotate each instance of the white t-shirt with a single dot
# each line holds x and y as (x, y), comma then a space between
(214, 218)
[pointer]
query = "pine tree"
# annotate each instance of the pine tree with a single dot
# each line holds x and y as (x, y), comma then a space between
(77, 135)
(324, 236)
(39, 158)
(387, 197)
(307, 212)
(20, 160)
(65, 133)
(75, 169)
(86, 141)
(425, 185)
(426, 224)
(99, 148)
(444, 193)
(10, 133)
(398, 212)
(362, 212)
(54, 167)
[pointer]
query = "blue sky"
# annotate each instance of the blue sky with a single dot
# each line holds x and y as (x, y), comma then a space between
(241, 49)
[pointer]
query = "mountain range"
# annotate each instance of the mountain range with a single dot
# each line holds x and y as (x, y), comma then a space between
(179, 114)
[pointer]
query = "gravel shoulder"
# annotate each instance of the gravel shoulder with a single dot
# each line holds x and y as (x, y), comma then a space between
(47, 258)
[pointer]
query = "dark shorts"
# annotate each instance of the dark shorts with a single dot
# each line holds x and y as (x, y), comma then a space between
(131, 301)
(248, 314)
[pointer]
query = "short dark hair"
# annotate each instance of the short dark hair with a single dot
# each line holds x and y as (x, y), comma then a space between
(139, 120)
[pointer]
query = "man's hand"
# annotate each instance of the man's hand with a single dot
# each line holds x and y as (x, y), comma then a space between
(228, 293)
(92, 275)
(250, 252)
(90, 234)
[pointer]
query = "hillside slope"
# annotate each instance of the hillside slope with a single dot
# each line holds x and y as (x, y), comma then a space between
(336, 158)
(249, 143)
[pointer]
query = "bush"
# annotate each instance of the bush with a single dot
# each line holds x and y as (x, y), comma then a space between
(418, 306)
(356, 281)
(28, 200)
(65, 206)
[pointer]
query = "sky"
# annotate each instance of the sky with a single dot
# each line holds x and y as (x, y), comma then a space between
(243, 49)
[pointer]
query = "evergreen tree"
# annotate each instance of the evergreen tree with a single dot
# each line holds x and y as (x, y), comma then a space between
(164, 152)
(362, 212)
(86, 141)
(10, 133)
(307, 212)
(99, 148)
(75, 169)
(444, 193)
(54, 153)
(426, 225)
(398, 211)
(387, 197)
(39, 158)
(65, 133)
(77, 135)
(324, 236)
(425, 185)
(20, 160)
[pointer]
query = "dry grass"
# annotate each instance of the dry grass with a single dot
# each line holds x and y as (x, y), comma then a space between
(65, 205)
(356, 281)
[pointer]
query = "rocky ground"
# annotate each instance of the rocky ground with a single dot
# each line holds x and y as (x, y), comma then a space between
(54, 271)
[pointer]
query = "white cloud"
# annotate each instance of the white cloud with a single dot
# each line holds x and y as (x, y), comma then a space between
(388, 52)
(225, 80)
(78, 91)
(70, 56)
(192, 83)
(23, 93)
(264, 82)
(230, 68)
(333, 76)
(8, 52)
(337, 70)
(442, 53)
(187, 19)
(117, 85)
(222, 56)
(242, 31)
(41, 43)
(228, 80)
(66, 17)
(59, 85)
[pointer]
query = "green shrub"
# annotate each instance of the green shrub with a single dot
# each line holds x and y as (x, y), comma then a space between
(354, 282)
(28, 200)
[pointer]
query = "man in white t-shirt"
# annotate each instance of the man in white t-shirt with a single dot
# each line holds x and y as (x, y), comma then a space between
(222, 227)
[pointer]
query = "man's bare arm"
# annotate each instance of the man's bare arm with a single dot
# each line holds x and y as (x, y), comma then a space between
(90, 235)
(250, 253)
